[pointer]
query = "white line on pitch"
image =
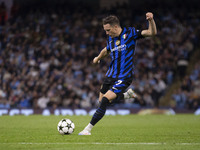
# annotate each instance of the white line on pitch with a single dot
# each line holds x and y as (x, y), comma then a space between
(28, 143)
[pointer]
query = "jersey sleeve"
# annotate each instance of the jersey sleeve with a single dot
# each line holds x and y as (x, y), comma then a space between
(137, 34)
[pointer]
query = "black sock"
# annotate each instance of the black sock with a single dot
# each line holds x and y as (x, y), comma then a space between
(100, 112)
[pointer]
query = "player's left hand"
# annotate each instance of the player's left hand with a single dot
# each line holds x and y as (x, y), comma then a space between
(149, 16)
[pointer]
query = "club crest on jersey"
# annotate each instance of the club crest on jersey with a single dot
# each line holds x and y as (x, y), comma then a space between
(117, 42)
(124, 36)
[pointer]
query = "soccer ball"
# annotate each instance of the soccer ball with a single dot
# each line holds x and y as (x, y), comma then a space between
(66, 126)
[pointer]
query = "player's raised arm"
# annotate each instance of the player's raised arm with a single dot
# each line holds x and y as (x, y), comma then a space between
(152, 26)
(101, 55)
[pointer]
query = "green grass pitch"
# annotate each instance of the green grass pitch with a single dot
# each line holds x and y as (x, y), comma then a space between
(135, 132)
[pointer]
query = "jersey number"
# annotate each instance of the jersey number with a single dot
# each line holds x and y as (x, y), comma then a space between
(119, 82)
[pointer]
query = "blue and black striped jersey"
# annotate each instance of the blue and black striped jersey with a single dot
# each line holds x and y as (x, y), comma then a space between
(122, 50)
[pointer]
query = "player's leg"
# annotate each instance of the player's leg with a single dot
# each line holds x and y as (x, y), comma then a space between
(104, 88)
(88, 128)
(119, 88)
(126, 95)
(100, 96)
(129, 94)
(100, 112)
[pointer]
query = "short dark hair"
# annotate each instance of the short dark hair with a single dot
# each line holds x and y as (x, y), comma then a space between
(112, 20)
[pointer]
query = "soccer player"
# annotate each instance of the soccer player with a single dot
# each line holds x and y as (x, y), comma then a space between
(121, 47)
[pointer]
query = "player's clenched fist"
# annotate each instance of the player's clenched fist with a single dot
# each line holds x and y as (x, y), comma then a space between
(149, 16)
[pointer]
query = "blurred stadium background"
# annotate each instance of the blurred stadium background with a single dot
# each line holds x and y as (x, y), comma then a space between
(47, 46)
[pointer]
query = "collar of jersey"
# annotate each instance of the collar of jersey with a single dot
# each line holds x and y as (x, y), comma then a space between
(123, 29)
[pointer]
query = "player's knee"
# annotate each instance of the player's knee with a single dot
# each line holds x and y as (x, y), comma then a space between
(104, 100)
(120, 96)
(100, 99)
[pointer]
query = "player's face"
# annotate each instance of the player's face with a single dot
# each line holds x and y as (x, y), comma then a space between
(110, 30)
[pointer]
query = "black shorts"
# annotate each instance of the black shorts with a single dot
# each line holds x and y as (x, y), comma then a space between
(118, 86)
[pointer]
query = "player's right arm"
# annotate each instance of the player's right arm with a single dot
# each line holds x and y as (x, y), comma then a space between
(152, 30)
(101, 55)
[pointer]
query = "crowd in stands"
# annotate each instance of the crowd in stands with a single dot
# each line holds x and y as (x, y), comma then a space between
(3, 13)
(46, 56)
(188, 95)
